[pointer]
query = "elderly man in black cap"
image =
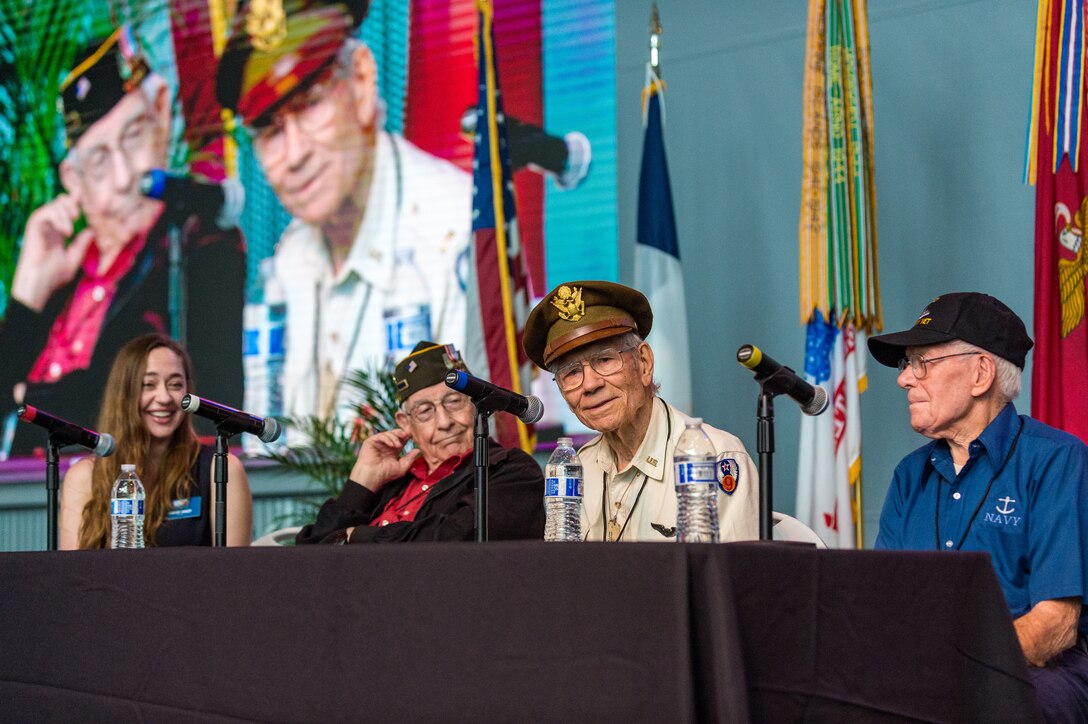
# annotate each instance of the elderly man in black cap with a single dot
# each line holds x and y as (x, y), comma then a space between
(370, 264)
(428, 494)
(590, 335)
(994, 481)
(80, 293)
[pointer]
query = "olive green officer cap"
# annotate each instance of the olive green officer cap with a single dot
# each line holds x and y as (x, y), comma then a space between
(575, 314)
(427, 365)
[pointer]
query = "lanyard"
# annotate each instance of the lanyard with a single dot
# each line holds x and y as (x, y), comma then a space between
(645, 479)
(937, 506)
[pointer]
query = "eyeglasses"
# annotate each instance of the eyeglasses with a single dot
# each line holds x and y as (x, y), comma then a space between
(313, 110)
(918, 363)
(606, 362)
(424, 411)
(96, 163)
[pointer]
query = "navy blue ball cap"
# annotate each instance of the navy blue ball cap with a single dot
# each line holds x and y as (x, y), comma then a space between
(973, 317)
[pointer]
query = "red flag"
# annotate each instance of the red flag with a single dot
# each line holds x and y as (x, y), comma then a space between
(1061, 216)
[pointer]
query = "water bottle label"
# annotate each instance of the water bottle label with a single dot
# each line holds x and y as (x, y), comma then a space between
(275, 340)
(405, 326)
(250, 344)
(697, 472)
(123, 506)
(562, 487)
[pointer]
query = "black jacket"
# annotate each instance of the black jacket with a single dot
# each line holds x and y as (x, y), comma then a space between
(215, 269)
(515, 506)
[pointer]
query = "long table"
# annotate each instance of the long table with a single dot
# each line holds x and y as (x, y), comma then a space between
(507, 632)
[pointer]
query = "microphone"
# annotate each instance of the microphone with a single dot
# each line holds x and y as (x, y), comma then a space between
(527, 409)
(230, 420)
(64, 433)
(565, 158)
(780, 379)
(185, 196)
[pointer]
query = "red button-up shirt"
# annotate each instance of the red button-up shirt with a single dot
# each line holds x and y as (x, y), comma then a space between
(406, 505)
(75, 331)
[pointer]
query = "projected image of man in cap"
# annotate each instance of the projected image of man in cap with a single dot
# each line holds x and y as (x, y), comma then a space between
(369, 207)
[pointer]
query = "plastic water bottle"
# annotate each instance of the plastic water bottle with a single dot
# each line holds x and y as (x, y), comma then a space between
(127, 510)
(563, 494)
(696, 485)
(263, 351)
(408, 312)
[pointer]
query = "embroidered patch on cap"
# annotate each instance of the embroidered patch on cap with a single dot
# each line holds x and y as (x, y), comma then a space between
(728, 475)
(412, 366)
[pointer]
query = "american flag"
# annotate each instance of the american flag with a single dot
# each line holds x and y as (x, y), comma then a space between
(498, 285)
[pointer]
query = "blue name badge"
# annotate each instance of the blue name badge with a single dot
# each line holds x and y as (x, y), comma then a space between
(184, 508)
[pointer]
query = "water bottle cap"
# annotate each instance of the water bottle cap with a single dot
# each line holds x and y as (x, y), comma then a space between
(128, 468)
(695, 422)
(564, 441)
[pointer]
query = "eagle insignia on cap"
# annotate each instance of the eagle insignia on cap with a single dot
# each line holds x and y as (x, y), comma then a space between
(568, 300)
(266, 24)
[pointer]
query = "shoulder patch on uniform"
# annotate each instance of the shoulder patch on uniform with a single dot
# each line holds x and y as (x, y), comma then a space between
(728, 475)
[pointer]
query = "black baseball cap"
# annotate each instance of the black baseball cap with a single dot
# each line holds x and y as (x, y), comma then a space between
(973, 317)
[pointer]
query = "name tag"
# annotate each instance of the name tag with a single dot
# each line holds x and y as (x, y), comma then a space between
(184, 508)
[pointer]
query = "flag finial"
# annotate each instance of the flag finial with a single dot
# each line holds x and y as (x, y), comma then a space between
(655, 40)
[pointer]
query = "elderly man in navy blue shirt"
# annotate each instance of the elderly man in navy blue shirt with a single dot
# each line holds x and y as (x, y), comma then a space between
(994, 481)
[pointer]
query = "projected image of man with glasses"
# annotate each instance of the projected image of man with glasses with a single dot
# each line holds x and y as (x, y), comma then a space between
(93, 268)
(373, 214)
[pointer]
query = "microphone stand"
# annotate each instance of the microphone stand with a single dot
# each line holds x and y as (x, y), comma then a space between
(219, 535)
(481, 433)
(765, 447)
(52, 485)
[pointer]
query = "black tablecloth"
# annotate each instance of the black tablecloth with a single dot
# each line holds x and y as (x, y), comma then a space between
(507, 632)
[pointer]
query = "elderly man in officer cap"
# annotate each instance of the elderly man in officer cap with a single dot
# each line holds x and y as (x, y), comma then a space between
(428, 493)
(590, 336)
(994, 481)
(369, 264)
(81, 292)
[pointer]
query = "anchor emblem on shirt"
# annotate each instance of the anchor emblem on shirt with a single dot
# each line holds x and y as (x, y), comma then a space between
(1005, 509)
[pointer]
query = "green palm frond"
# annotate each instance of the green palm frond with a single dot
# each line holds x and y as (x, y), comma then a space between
(331, 446)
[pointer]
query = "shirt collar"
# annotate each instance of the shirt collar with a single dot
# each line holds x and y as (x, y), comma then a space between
(995, 440)
(998, 436)
(419, 469)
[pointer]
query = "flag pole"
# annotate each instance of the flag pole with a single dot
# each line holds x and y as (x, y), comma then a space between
(655, 41)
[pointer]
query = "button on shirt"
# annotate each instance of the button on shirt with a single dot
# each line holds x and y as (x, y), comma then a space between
(405, 506)
(1033, 521)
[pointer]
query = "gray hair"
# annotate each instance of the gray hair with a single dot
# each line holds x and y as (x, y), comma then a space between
(1008, 378)
(343, 62)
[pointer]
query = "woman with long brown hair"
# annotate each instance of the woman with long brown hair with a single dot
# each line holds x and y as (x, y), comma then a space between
(141, 408)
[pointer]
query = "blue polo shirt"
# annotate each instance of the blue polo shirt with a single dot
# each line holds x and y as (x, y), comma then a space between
(1033, 521)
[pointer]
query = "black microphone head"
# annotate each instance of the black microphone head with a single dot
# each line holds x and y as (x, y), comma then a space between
(190, 403)
(105, 445)
(271, 431)
(818, 403)
(533, 412)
